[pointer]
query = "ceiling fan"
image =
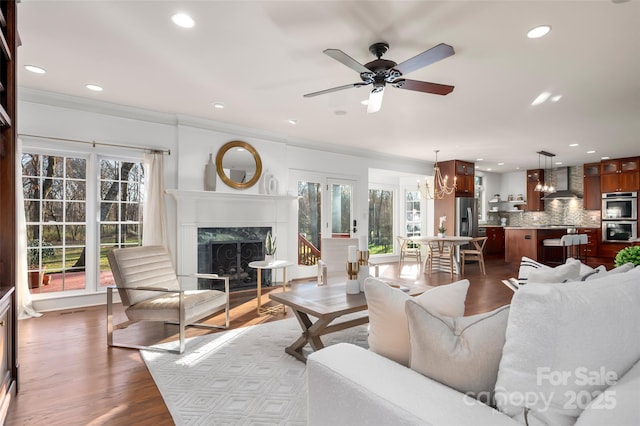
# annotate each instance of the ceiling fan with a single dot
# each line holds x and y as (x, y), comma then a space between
(380, 71)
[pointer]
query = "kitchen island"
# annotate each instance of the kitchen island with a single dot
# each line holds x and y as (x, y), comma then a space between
(527, 240)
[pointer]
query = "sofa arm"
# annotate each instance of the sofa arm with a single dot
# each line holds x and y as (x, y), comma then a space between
(349, 385)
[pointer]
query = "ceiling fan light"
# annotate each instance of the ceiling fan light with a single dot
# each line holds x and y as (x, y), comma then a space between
(375, 101)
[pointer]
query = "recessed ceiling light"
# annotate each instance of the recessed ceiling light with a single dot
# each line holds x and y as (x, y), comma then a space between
(591, 152)
(218, 105)
(479, 159)
(573, 144)
(538, 32)
(35, 69)
(489, 169)
(94, 87)
(555, 98)
(292, 121)
(542, 97)
(518, 168)
(183, 20)
(604, 158)
(558, 163)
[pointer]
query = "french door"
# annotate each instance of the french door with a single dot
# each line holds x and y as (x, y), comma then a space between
(325, 210)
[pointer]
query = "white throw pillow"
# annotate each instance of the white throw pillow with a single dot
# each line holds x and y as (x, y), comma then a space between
(570, 271)
(559, 335)
(462, 353)
(604, 273)
(534, 271)
(388, 328)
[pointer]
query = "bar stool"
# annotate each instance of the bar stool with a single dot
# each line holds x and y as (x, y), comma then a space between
(579, 250)
(565, 242)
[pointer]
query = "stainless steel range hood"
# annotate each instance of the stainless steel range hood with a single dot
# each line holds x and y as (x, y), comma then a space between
(563, 192)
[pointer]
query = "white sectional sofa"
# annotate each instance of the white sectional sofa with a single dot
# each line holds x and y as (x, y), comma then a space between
(571, 355)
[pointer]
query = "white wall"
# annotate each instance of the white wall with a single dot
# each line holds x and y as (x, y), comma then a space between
(191, 141)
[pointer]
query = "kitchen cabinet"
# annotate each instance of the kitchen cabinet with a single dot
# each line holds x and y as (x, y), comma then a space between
(621, 174)
(495, 241)
(465, 173)
(534, 198)
(593, 237)
(592, 198)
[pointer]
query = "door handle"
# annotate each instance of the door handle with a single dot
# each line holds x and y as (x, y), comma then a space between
(354, 226)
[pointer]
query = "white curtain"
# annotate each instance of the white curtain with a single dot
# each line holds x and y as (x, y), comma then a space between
(25, 306)
(154, 221)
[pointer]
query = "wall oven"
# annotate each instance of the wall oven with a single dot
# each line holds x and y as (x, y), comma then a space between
(616, 231)
(620, 206)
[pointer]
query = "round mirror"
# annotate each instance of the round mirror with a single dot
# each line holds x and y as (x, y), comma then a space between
(238, 164)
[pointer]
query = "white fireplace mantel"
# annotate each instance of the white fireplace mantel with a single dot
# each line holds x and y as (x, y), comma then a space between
(203, 209)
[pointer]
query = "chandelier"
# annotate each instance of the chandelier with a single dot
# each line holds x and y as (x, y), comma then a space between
(543, 186)
(440, 187)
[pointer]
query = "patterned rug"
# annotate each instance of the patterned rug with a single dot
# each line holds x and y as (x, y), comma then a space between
(239, 377)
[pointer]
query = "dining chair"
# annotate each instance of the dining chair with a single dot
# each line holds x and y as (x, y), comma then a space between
(150, 291)
(409, 249)
(475, 253)
(442, 253)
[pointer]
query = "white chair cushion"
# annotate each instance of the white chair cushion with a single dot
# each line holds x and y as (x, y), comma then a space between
(388, 327)
(197, 304)
(461, 352)
(145, 266)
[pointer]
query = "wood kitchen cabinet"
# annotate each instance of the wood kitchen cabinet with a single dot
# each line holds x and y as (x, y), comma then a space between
(592, 198)
(534, 198)
(465, 178)
(622, 174)
(593, 237)
(495, 241)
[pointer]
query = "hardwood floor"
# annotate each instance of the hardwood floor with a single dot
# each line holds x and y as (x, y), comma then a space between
(68, 376)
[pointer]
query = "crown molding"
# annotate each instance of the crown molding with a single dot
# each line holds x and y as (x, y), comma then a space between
(27, 94)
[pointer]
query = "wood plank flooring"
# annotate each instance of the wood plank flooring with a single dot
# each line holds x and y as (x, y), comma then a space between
(68, 376)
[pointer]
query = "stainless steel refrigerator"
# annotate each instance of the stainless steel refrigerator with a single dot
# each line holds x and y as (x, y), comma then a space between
(466, 216)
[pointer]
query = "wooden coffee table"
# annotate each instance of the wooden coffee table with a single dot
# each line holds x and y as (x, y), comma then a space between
(326, 303)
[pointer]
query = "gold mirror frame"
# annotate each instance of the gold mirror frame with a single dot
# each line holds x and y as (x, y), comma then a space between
(226, 179)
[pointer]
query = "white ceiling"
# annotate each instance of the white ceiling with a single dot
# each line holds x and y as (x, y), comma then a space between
(260, 57)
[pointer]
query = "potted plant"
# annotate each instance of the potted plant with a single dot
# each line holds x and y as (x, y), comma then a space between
(270, 247)
(629, 254)
(37, 274)
(441, 228)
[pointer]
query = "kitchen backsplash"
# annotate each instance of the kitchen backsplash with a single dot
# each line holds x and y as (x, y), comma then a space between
(556, 212)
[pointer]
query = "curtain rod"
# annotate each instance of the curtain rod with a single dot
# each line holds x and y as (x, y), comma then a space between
(94, 143)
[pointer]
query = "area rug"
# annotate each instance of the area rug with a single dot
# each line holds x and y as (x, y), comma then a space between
(239, 377)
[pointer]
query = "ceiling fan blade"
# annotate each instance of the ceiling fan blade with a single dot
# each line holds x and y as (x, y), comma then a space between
(423, 86)
(347, 60)
(334, 89)
(375, 100)
(425, 58)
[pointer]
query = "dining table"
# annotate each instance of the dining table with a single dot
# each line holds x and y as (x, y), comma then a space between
(452, 241)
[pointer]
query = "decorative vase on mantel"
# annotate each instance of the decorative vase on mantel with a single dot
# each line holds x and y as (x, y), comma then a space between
(210, 175)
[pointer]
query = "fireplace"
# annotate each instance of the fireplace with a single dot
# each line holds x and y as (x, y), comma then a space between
(227, 252)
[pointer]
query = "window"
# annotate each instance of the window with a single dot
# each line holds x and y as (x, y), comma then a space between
(414, 217)
(55, 191)
(121, 189)
(380, 221)
(59, 195)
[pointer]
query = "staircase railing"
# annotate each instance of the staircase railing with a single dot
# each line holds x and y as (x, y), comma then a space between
(308, 254)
